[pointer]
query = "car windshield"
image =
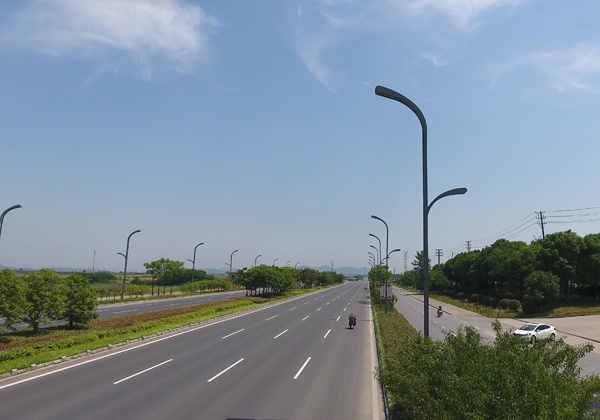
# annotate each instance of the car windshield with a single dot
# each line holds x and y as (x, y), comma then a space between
(528, 327)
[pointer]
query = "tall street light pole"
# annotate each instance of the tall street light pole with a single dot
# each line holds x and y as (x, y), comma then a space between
(390, 94)
(387, 238)
(231, 265)
(378, 240)
(274, 261)
(259, 255)
(377, 251)
(18, 206)
(194, 260)
(126, 255)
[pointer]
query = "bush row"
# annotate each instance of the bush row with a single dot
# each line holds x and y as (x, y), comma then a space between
(492, 302)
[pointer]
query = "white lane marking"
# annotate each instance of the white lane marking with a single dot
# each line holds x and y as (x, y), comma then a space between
(345, 309)
(315, 298)
(122, 312)
(338, 318)
(173, 304)
(305, 317)
(326, 334)
(306, 303)
(143, 371)
(443, 327)
(229, 335)
(302, 368)
(271, 317)
(319, 309)
(293, 308)
(327, 304)
(222, 372)
(280, 334)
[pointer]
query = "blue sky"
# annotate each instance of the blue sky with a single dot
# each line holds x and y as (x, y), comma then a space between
(253, 125)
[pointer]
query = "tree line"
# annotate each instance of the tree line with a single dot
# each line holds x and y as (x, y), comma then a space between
(563, 265)
(45, 296)
(270, 279)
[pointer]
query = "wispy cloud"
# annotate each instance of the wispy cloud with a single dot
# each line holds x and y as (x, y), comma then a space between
(321, 26)
(128, 36)
(571, 70)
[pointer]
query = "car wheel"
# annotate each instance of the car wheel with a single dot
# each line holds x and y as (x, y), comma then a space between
(533, 339)
(552, 336)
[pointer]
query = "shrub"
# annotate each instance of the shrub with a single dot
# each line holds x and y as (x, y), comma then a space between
(460, 296)
(529, 305)
(514, 305)
(503, 304)
(494, 302)
(486, 300)
(474, 298)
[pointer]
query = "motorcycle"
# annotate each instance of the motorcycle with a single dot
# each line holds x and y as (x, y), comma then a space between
(351, 322)
(439, 313)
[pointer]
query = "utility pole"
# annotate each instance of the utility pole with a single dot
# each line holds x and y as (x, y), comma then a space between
(332, 266)
(405, 266)
(94, 262)
(439, 253)
(541, 221)
(468, 246)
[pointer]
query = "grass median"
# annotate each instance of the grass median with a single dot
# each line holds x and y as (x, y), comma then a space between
(21, 349)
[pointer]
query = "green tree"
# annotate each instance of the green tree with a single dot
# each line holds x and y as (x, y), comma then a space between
(559, 254)
(12, 298)
(79, 300)
(542, 287)
(307, 277)
(44, 300)
(164, 272)
(589, 270)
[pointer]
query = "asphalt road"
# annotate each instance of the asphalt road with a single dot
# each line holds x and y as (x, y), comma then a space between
(294, 360)
(454, 317)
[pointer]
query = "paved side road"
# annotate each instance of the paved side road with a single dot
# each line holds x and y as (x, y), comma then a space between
(575, 330)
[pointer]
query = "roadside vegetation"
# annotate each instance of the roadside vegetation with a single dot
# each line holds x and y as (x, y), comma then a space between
(555, 276)
(464, 377)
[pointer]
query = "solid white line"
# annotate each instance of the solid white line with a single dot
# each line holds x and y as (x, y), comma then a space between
(302, 368)
(229, 335)
(326, 334)
(338, 318)
(222, 372)
(143, 371)
(280, 334)
(305, 317)
(270, 318)
(293, 308)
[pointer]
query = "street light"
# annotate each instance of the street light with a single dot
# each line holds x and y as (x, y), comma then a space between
(287, 263)
(387, 238)
(18, 206)
(194, 261)
(378, 240)
(376, 250)
(126, 256)
(372, 257)
(231, 265)
(390, 94)
(259, 255)
(274, 261)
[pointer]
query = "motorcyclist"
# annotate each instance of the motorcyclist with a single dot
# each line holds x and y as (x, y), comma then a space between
(352, 319)
(440, 311)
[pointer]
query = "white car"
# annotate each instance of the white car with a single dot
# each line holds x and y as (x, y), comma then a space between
(533, 332)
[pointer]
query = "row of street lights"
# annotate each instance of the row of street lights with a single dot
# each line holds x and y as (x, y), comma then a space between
(390, 94)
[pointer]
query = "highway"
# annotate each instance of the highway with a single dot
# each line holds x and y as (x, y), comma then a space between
(293, 360)
(454, 317)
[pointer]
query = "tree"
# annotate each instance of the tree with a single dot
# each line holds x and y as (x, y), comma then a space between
(559, 255)
(589, 270)
(44, 300)
(12, 298)
(164, 271)
(542, 287)
(79, 300)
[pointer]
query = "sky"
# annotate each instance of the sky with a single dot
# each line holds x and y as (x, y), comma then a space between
(253, 126)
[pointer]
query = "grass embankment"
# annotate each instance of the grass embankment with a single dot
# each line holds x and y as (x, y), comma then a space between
(21, 349)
